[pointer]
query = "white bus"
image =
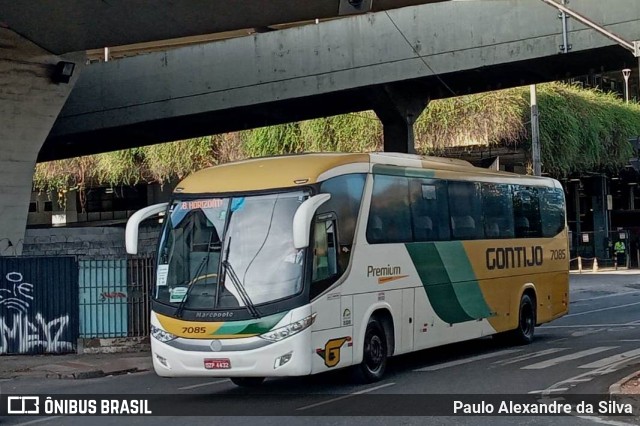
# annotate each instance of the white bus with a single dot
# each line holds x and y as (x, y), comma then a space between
(301, 264)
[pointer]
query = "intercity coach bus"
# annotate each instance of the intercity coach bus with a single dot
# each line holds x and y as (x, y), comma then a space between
(301, 264)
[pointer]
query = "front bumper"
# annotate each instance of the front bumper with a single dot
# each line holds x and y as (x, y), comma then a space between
(259, 360)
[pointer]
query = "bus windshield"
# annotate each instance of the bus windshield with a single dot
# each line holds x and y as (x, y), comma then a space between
(213, 250)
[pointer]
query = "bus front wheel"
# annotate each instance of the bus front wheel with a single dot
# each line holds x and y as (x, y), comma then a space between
(374, 359)
(247, 382)
(526, 321)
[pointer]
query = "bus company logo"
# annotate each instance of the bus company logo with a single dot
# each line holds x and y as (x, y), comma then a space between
(331, 351)
(23, 405)
(514, 257)
(385, 274)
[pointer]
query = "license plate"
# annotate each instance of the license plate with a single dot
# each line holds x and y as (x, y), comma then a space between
(217, 364)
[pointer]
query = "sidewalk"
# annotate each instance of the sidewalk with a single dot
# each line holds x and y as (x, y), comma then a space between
(627, 391)
(73, 366)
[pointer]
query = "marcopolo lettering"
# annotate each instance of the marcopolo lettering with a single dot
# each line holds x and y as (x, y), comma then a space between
(514, 257)
(209, 314)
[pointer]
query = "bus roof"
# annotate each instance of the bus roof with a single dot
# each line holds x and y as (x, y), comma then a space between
(301, 169)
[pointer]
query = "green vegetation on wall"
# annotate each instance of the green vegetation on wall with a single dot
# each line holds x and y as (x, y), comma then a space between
(580, 130)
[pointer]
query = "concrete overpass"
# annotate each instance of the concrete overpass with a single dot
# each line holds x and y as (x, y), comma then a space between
(36, 35)
(392, 62)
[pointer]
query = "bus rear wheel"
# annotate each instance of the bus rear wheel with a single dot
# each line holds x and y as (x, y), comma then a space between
(247, 382)
(526, 321)
(374, 359)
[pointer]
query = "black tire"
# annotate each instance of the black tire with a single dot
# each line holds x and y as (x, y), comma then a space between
(375, 353)
(247, 382)
(526, 322)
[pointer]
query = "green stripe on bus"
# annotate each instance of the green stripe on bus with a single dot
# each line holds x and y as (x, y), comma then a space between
(464, 279)
(382, 169)
(259, 326)
(436, 282)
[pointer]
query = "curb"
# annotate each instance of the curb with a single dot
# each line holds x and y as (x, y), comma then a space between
(79, 375)
(616, 388)
(615, 393)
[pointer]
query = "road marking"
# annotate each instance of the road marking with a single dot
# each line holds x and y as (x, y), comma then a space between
(602, 309)
(555, 361)
(468, 360)
(585, 377)
(32, 422)
(613, 359)
(549, 390)
(626, 324)
(217, 382)
(529, 356)
(306, 407)
(581, 333)
(605, 422)
(605, 296)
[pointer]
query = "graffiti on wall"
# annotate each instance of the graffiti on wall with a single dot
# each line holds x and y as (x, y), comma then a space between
(110, 295)
(23, 328)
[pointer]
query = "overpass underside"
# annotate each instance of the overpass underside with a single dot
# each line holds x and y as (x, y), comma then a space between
(392, 62)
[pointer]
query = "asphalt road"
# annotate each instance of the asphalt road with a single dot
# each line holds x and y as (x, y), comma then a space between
(583, 353)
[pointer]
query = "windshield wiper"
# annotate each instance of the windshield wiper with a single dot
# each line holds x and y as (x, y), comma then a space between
(241, 290)
(228, 270)
(205, 261)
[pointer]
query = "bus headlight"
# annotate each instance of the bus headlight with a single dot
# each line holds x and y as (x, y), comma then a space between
(289, 330)
(161, 335)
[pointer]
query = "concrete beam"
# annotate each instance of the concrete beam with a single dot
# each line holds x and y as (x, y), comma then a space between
(450, 48)
(75, 25)
(29, 105)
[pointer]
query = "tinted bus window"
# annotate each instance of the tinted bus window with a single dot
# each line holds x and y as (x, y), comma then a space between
(497, 209)
(552, 211)
(526, 212)
(465, 210)
(389, 216)
(429, 209)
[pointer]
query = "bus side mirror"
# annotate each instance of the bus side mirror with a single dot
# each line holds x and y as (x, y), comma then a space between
(131, 233)
(303, 217)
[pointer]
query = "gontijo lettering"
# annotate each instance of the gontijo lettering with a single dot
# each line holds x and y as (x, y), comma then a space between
(514, 257)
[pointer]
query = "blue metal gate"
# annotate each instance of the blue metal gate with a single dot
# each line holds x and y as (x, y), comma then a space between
(103, 298)
(114, 297)
(38, 305)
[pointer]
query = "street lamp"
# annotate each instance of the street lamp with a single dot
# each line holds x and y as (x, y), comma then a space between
(626, 73)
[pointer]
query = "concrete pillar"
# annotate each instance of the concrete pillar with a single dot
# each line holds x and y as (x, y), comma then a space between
(398, 106)
(29, 105)
(600, 216)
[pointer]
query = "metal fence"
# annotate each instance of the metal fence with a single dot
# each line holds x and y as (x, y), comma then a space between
(141, 275)
(38, 305)
(114, 297)
(583, 250)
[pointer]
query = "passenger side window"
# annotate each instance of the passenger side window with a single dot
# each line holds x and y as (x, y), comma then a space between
(389, 215)
(465, 209)
(497, 209)
(552, 211)
(526, 212)
(429, 209)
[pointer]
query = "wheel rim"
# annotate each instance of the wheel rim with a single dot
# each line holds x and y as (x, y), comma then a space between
(374, 353)
(526, 319)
